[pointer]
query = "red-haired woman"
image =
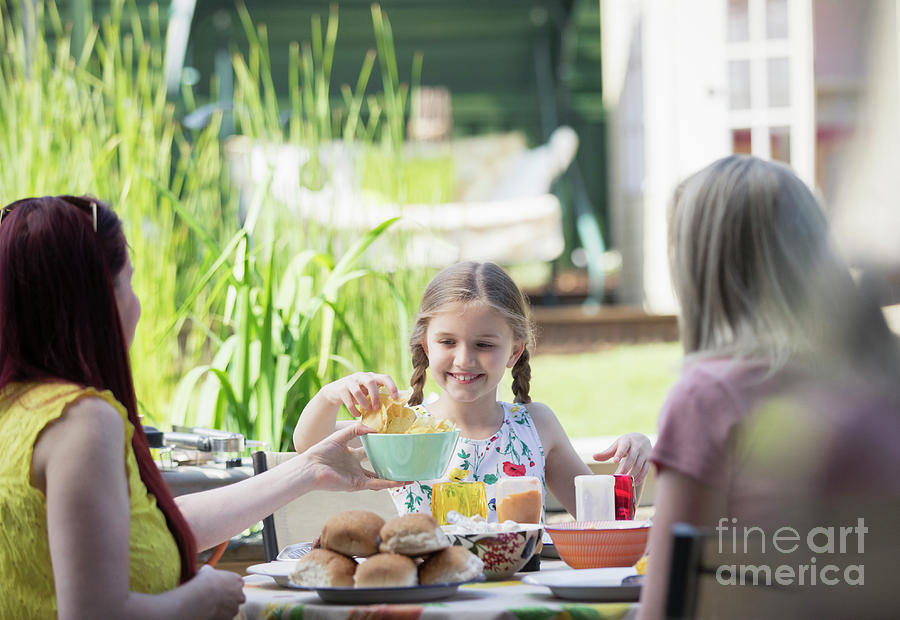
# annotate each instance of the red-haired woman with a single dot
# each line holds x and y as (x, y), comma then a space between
(89, 527)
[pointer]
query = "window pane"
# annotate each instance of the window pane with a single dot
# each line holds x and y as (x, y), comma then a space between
(780, 143)
(740, 141)
(776, 19)
(739, 84)
(738, 20)
(778, 72)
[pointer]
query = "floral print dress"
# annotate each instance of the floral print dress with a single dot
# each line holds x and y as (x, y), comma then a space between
(514, 450)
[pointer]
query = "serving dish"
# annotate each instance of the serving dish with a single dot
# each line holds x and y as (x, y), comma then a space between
(417, 456)
(280, 571)
(589, 584)
(600, 544)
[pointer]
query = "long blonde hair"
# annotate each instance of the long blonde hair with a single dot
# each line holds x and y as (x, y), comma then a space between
(472, 282)
(755, 271)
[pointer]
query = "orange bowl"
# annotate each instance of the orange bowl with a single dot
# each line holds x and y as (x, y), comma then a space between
(599, 544)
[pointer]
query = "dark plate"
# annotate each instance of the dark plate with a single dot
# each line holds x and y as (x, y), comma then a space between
(280, 571)
(366, 596)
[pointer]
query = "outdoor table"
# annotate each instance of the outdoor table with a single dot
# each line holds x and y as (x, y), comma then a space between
(487, 600)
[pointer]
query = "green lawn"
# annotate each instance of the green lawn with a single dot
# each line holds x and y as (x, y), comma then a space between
(609, 392)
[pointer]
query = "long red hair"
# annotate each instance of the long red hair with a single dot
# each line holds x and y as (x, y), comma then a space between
(59, 256)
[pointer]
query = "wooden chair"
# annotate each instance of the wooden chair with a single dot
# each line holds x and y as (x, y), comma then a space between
(301, 520)
(698, 564)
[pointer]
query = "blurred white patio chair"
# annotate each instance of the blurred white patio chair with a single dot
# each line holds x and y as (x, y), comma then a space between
(504, 210)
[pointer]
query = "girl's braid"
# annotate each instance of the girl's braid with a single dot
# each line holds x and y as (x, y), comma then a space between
(521, 374)
(417, 380)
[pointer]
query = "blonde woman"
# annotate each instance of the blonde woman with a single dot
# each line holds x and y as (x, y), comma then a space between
(787, 395)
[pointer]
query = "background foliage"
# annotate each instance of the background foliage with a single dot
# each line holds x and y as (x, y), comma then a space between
(254, 321)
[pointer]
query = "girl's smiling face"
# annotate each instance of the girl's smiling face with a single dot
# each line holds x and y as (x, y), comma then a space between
(469, 348)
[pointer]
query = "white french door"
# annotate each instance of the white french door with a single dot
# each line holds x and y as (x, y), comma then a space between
(770, 90)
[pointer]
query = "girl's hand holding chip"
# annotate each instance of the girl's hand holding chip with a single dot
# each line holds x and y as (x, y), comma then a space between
(359, 392)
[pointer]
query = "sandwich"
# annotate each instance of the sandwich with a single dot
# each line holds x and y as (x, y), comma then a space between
(324, 568)
(413, 534)
(452, 565)
(386, 570)
(352, 533)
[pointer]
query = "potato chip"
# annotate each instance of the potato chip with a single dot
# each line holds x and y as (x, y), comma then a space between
(393, 416)
(427, 423)
(396, 417)
(373, 419)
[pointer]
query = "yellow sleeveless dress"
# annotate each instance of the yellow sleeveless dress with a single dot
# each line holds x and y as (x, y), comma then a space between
(26, 576)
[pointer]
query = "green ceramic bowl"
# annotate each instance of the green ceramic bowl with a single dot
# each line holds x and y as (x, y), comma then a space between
(419, 456)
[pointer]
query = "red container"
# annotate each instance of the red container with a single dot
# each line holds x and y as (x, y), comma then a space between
(625, 497)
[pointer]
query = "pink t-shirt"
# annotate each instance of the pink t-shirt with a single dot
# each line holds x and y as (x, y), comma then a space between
(770, 442)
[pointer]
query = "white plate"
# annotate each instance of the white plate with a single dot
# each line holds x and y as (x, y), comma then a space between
(280, 571)
(588, 584)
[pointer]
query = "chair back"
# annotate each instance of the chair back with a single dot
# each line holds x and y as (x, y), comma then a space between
(714, 578)
(302, 519)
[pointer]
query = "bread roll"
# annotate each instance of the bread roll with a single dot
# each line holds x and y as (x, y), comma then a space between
(386, 570)
(323, 568)
(352, 532)
(451, 566)
(413, 534)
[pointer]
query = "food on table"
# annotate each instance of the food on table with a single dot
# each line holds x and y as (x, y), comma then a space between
(520, 499)
(504, 548)
(396, 417)
(427, 423)
(324, 568)
(386, 570)
(451, 565)
(413, 534)
(641, 565)
(393, 416)
(403, 540)
(467, 498)
(461, 524)
(524, 507)
(352, 532)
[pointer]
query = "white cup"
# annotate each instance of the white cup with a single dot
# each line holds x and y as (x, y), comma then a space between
(595, 498)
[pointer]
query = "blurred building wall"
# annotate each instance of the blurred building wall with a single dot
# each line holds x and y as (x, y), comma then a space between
(689, 81)
(867, 203)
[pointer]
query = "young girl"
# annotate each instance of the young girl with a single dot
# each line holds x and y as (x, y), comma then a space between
(473, 324)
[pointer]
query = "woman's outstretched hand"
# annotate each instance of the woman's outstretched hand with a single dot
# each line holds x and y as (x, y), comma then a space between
(335, 466)
(632, 452)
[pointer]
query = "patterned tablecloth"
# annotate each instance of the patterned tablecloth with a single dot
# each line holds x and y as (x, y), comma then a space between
(511, 600)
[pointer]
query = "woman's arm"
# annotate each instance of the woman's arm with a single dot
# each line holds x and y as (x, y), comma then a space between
(330, 465)
(679, 498)
(88, 520)
(358, 391)
(563, 463)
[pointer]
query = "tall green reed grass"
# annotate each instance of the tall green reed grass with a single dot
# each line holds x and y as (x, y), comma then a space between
(96, 120)
(252, 308)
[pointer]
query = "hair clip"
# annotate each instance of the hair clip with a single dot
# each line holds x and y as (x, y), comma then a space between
(94, 210)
